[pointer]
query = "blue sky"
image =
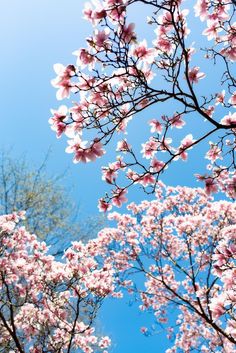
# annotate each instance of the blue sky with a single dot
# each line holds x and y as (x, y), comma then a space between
(34, 35)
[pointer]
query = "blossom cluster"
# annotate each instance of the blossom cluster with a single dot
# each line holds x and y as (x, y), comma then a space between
(45, 304)
(175, 252)
(182, 245)
(117, 76)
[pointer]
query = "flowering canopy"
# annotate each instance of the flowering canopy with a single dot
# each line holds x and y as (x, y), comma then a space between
(47, 305)
(183, 247)
(116, 77)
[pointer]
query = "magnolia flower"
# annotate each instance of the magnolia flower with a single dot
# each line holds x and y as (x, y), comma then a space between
(83, 153)
(156, 126)
(119, 197)
(210, 186)
(194, 75)
(201, 9)
(57, 121)
(84, 58)
(156, 165)
(229, 52)
(100, 39)
(123, 146)
(104, 342)
(229, 119)
(142, 52)
(214, 153)
(149, 148)
(212, 30)
(186, 143)
(127, 33)
(232, 99)
(220, 98)
(177, 121)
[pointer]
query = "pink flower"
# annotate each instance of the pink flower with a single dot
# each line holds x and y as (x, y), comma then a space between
(32, 278)
(104, 342)
(164, 45)
(157, 165)
(100, 14)
(143, 329)
(119, 197)
(210, 110)
(194, 75)
(221, 11)
(88, 12)
(232, 99)
(217, 307)
(201, 9)
(84, 58)
(147, 179)
(58, 120)
(64, 90)
(231, 187)
(229, 119)
(214, 153)
(149, 148)
(132, 175)
(115, 10)
(109, 174)
(177, 121)
(230, 53)
(220, 98)
(64, 72)
(83, 153)
(143, 53)
(127, 33)
(186, 143)
(210, 186)
(62, 81)
(94, 15)
(156, 126)
(95, 150)
(123, 146)
(212, 31)
(100, 39)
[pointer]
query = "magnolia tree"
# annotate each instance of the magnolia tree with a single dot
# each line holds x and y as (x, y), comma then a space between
(117, 76)
(177, 256)
(177, 251)
(43, 301)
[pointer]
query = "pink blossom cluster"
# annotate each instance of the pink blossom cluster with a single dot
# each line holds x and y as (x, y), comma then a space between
(116, 76)
(45, 304)
(219, 27)
(224, 267)
(177, 254)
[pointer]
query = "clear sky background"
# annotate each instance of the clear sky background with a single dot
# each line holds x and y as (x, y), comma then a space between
(34, 35)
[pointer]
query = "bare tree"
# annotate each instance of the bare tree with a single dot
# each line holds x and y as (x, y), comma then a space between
(50, 211)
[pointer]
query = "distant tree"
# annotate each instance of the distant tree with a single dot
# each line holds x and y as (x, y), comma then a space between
(49, 209)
